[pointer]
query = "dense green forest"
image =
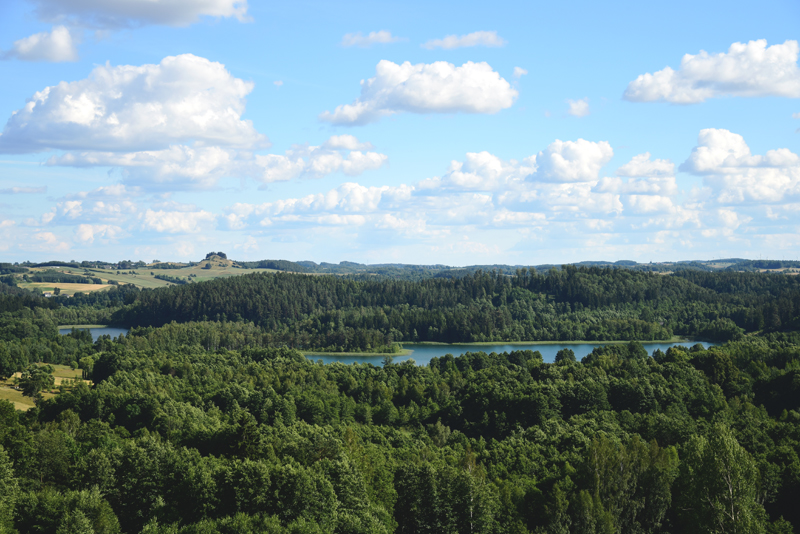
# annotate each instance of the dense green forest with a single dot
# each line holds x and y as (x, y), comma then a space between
(204, 419)
(596, 304)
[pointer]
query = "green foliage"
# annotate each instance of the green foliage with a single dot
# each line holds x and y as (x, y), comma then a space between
(36, 379)
(216, 424)
(8, 493)
(718, 485)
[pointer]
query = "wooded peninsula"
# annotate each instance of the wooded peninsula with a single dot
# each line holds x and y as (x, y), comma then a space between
(206, 417)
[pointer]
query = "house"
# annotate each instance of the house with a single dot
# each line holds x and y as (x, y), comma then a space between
(47, 294)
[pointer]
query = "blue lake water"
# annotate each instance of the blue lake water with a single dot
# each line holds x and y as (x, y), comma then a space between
(422, 354)
(97, 332)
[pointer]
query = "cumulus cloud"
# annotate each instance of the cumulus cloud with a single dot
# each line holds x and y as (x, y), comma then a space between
(178, 166)
(183, 167)
(365, 41)
(348, 198)
(177, 222)
(641, 165)
(519, 72)
(23, 190)
(88, 232)
(48, 241)
(657, 185)
(56, 46)
(749, 70)
(175, 124)
(6, 233)
(573, 161)
(578, 108)
(318, 161)
(482, 38)
(438, 87)
(482, 171)
(482, 191)
(640, 204)
(133, 13)
(129, 108)
(735, 175)
(347, 142)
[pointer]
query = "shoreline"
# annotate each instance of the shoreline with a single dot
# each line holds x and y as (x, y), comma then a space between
(409, 352)
(403, 352)
(674, 339)
(83, 326)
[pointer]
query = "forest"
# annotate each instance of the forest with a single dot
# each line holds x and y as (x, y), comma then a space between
(207, 418)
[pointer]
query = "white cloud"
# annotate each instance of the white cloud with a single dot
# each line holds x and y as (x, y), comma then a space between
(7, 234)
(573, 161)
(59, 45)
(132, 13)
(347, 142)
(657, 185)
(649, 204)
(48, 241)
(318, 161)
(641, 165)
(23, 190)
(578, 108)
(278, 83)
(349, 198)
(519, 72)
(504, 217)
(365, 41)
(71, 209)
(438, 87)
(736, 175)
(482, 38)
(796, 115)
(107, 191)
(482, 171)
(88, 232)
(178, 221)
(751, 70)
(135, 108)
(178, 166)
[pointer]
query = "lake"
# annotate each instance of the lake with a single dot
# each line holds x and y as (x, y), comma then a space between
(423, 353)
(97, 332)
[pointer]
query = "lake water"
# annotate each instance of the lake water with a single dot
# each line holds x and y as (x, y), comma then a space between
(97, 332)
(422, 354)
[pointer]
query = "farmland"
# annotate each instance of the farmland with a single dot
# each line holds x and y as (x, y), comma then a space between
(63, 376)
(144, 278)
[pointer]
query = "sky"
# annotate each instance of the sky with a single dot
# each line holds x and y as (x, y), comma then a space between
(454, 133)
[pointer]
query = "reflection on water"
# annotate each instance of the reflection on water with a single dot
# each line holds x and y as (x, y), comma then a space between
(97, 332)
(422, 354)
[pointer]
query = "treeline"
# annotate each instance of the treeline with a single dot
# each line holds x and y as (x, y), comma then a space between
(7, 268)
(278, 265)
(59, 277)
(598, 304)
(172, 279)
(182, 434)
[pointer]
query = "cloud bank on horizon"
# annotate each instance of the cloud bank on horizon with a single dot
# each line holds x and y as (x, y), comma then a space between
(458, 158)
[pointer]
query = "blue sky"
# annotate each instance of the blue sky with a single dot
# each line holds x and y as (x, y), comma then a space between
(415, 132)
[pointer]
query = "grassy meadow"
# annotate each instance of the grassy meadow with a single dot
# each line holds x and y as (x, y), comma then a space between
(144, 278)
(63, 375)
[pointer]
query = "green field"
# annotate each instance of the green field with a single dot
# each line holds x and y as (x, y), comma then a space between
(144, 278)
(63, 375)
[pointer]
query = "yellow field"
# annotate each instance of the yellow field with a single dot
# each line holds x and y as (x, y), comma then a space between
(16, 398)
(142, 277)
(62, 375)
(66, 289)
